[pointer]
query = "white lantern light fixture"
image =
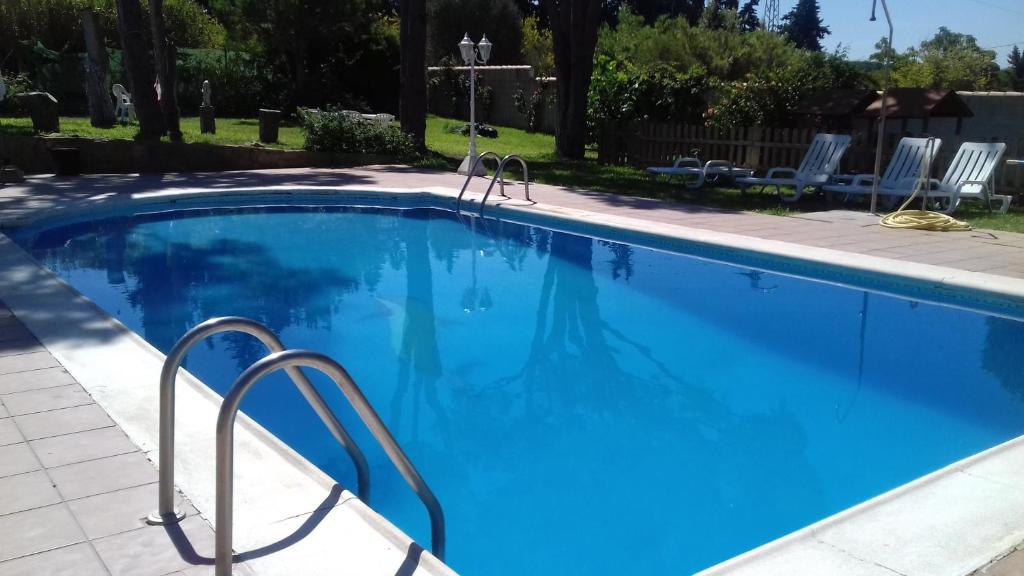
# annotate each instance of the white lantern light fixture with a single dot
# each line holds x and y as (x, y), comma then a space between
(473, 55)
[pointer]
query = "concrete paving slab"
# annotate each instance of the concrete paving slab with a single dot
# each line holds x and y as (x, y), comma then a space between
(81, 446)
(34, 380)
(158, 550)
(103, 475)
(37, 530)
(20, 346)
(74, 560)
(62, 421)
(9, 433)
(119, 511)
(25, 492)
(25, 362)
(34, 401)
(17, 459)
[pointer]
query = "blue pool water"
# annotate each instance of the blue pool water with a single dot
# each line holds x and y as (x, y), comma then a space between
(579, 406)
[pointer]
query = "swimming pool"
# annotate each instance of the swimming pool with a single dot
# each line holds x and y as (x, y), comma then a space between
(578, 405)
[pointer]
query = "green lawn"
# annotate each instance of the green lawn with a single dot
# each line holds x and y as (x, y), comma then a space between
(449, 148)
(237, 131)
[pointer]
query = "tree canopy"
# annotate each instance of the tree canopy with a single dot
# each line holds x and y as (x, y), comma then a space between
(949, 60)
(803, 25)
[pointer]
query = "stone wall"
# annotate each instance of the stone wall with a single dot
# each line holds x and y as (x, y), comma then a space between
(32, 154)
(506, 82)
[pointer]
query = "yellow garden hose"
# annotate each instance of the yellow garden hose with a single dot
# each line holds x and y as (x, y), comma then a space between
(922, 219)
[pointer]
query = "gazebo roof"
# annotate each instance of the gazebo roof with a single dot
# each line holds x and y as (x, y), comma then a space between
(838, 102)
(921, 103)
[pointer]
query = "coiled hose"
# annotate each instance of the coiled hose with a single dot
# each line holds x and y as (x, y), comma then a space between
(923, 219)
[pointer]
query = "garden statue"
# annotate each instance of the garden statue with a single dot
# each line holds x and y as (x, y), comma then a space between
(207, 121)
(9, 173)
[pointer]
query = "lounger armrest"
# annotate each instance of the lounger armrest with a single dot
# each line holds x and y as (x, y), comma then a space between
(687, 162)
(774, 172)
(862, 180)
(984, 186)
(718, 164)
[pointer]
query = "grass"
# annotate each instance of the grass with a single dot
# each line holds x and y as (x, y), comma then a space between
(233, 131)
(449, 147)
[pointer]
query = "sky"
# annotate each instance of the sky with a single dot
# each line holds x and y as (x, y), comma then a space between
(993, 22)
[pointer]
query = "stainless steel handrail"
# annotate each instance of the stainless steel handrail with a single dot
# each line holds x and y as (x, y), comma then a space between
(166, 513)
(501, 172)
(472, 172)
(292, 359)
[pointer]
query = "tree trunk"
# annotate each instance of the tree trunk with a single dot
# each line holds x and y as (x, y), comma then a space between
(139, 68)
(97, 73)
(574, 26)
(413, 99)
(166, 71)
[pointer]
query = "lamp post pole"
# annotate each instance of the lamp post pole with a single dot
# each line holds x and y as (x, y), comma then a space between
(470, 54)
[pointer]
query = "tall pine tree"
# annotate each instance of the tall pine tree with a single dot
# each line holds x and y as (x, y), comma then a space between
(1016, 61)
(803, 25)
(748, 16)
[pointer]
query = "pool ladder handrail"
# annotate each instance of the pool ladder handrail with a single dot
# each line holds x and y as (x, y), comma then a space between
(293, 359)
(168, 514)
(472, 172)
(499, 176)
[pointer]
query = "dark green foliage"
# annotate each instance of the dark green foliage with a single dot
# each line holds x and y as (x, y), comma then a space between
(621, 92)
(1016, 62)
(803, 25)
(448, 90)
(769, 97)
(449, 20)
(236, 79)
(651, 10)
(748, 16)
(335, 131)
(713, 18)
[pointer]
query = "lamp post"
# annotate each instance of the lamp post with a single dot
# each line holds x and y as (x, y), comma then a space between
(471, 54)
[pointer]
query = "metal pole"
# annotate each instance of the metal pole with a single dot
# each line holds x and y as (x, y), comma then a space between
(292, 359)
(884, 111)
(472, 112)
(166, 512)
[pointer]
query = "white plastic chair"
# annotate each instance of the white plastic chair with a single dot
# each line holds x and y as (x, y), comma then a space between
(819, 164)
(969, 176)
(124, 110)
(900, 175)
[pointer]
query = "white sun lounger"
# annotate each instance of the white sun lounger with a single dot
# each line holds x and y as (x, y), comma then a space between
(820, 162)
(900, 175)
(969, 176)
(695, 175)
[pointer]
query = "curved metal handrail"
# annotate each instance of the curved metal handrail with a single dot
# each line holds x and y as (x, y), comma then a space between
(292, 359)
(472, 172)
(166, 513)
(501, 172)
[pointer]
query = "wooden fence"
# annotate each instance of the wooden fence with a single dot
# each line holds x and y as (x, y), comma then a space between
(658, 144)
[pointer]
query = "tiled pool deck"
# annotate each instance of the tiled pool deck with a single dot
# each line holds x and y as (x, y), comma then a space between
(74, 488)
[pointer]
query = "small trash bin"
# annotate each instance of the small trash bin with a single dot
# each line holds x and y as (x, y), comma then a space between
(270, 120)
(67, 160)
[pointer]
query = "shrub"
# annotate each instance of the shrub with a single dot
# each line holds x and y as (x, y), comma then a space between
(335, 131)
(449, 93)
(17, 84)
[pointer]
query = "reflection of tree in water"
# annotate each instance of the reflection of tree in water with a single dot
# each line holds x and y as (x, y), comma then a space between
(1004, 343)
(178, 284)
(419, 359)
(573, 379)
(622, 259)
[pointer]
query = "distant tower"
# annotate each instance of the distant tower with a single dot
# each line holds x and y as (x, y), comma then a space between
(770, 20)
